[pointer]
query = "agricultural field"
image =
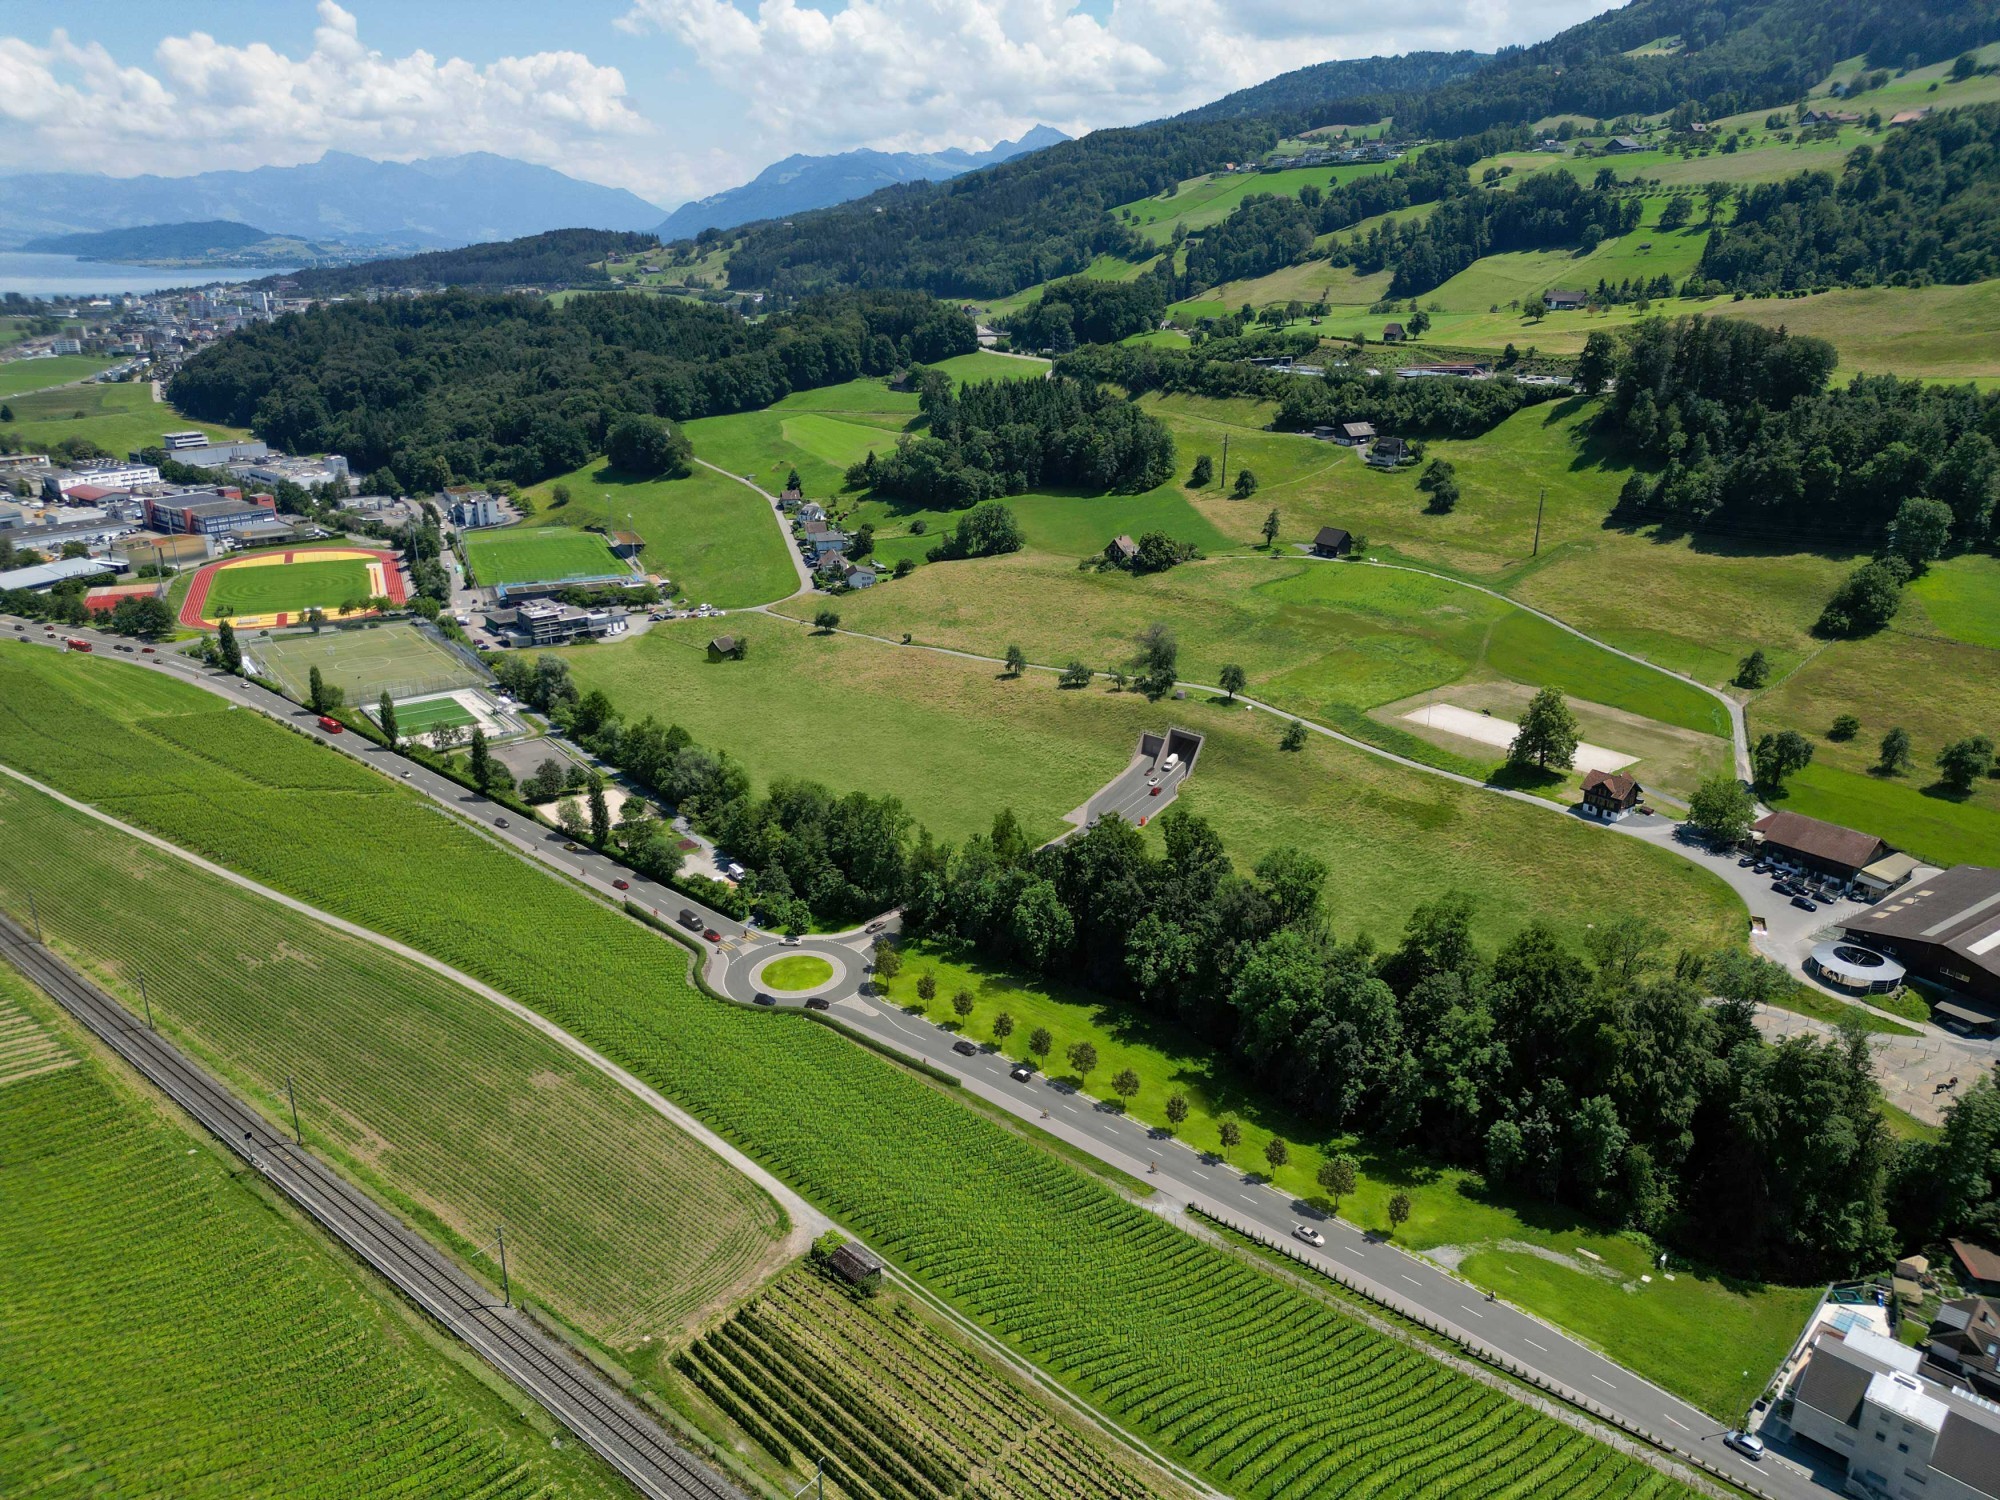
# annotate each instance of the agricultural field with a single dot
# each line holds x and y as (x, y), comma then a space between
(710, 537)
(896, 1403)
(20, 375)
(431, 1097)
(1687, 1334)
(542, 554)
(957, 742)
(140, 1251)
(364, 662)
(1199, 1356)
(119, 418)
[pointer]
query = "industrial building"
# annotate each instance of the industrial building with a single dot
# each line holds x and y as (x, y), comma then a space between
(1944, 928)
(45, 576)
(209, 513)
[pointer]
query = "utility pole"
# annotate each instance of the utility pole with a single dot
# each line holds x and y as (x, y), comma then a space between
(506, 1287)
(1538, 521)
(1223, 482)
(146, 1000)
(298, 1136)
(34, 916)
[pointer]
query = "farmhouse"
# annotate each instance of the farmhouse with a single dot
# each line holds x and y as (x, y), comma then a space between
(1120, 549)
(1944, 928)
(725, 648)
(1332, 542)
(1559, 300)
(1862, 1397)
(1392, 333)
(1387, 452)
(1610, 795)
(1623, 145)
(1824, 848)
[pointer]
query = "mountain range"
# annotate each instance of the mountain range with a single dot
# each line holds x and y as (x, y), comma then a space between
(437, 202)
(800, 183)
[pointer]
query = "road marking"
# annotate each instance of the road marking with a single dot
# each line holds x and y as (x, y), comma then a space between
(1475, 1312)
(1411, 1279)
(1602, 1381)
(1533, 1345)
(1676, 1421)
(1249, 1200)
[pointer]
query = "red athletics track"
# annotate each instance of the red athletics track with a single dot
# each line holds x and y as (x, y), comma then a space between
(193, 607)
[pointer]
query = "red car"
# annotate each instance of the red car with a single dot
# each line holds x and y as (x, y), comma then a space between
(712, 935)
(1155, 791)
(145, 650)
(621, 885)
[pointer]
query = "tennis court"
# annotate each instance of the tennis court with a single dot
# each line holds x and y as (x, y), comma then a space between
(398, 659)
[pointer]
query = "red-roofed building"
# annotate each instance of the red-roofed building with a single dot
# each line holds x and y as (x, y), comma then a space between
(1610, 794)
(1826, 848)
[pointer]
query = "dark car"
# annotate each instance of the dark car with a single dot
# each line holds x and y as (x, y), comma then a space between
(1805, 903)
(965, 1048)
(621, 885)
(1022, 1072)
(499, 822)
(818, 1002)
(764, 999)
(689, 920)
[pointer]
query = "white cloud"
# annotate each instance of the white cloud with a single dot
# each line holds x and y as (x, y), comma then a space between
(204, 105)
(915, 74)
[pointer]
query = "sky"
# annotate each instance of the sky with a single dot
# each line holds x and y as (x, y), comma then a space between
(672, 99)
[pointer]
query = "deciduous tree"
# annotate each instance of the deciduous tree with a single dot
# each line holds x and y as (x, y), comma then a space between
(1548, 733)
(1964, 762)
(1337, 1177)
(1083, 1058)
(1232, 679)
(1894, 758)
(1277, 1153)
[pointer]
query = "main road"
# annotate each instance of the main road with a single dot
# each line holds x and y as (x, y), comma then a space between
(1180, 1176)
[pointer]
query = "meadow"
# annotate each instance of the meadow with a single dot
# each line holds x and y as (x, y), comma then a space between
(957, 742)
(293, 587)
(20, 375)
(1687, 1334)
(120, 418)
(429, 1096)
(1199, 1354)
(542, 554)
(1199, 202)
(171, 1330)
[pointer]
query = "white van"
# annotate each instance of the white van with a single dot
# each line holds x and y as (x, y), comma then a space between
(1170, 765)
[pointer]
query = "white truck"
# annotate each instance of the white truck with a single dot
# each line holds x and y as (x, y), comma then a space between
(1170, 765)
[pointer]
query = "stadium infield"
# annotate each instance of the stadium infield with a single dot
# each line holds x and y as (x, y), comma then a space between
(268, 590)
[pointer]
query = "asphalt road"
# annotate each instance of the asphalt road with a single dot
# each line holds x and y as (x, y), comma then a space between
(1178, 1174)
(1137, 794)
(586, 1403)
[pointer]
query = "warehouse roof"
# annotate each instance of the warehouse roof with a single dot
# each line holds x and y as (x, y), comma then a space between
(48, 575)
(1957, 909)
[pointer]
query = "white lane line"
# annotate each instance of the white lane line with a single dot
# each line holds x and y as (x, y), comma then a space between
(1602, 1381)
(1475, 1312)
(1411, 1279)
(1249, 1200)
(1198, 1171)
(1533, 1345)
(1676, 1421)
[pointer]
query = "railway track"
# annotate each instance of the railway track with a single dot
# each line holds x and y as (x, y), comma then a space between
(578, 1396)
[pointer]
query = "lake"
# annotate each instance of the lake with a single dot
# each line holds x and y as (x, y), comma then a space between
(34, 275)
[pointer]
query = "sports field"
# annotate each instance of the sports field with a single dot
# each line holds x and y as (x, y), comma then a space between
(364, 663)
(432, 713)
(544, 554)
(266, 590)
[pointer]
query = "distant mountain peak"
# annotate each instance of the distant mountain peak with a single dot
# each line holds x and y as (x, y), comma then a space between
(799, 183)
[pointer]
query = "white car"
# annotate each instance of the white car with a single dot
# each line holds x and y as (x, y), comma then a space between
(1746, 1443)
(1309, 1234)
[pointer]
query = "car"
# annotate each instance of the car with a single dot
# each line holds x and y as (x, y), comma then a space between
(621, 885)
(121, 646)
(689, 919)
(406, 776)
(764, 999)
(1309, 1234)
(1805, 903)
(788, 942)
(1155, 791)
(965, 1049)
(876, 926)
(500, 823)
(1022, 1072)
(1747, 862)
(146, 651)
(712, 935)
(570, 847)
(1746, 1443)
(818, 1002)
(1784, 888)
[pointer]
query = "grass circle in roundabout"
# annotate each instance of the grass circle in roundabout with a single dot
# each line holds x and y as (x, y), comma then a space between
(797, 971)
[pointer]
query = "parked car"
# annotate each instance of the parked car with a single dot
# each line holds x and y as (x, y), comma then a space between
(818, 1002)
(1022, 1072)
(688, 919)
(1804, 902)
(1746, 1443)
(965, 1049)
(1748, 861)
(621, 885)
(1309, 1234)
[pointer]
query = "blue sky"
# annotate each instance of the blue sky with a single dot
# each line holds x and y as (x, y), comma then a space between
(670, 98)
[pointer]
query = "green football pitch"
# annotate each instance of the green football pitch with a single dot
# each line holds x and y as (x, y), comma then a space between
(291, 588)
(433, 713)
(364, 662)
(545, 555)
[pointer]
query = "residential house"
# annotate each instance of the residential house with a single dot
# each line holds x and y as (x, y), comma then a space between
(1610, 795)
(862, 578)
(1332, 542)
(1392, 333)
(791, 499)
(811, 510)
(1387, 452)
(1120, 550)
(1978, 1267)
(1623, 145)
(1965, 1340)
(1560, 300)
(1907, 116)
(1355, 434)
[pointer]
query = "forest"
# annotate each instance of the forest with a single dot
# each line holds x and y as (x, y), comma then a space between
(1083, 310)
(1006, 437)
(558, 257)
(1751, 438)
(1921, 209)
(421, 392)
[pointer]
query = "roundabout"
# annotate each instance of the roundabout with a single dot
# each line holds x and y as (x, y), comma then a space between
(796, 975)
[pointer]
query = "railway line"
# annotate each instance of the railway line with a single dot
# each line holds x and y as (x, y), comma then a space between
(583, 1400)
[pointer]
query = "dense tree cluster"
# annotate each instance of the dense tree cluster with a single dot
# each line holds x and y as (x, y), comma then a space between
(429, 390)
(558, 257)
(1921, 209)
(1084, 310)
(1005, 437)
(1548, 210)
(1752, 439)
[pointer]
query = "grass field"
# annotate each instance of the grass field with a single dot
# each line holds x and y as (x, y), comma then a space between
(120, 418)
(434, 713)
(1200, 1355)
(542, 554)
(1691, 1334)
(1200, 201)
(807, 1370)
(293, 587)
(801, 971)
(170, 1330)
(428, 1095)
(1936, 331)
(711, 538)
(18, 375)
(957, 743)
(363, 662)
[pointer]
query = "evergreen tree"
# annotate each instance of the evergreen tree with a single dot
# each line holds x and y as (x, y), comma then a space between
(600, 813)
(385, 716)
(231, 651)
(481, 760)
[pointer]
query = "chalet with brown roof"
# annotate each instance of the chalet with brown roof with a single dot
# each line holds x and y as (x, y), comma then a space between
(1332, 542)
(1120, 549)
(1978, 1267)
(1908, 116)
(1610, 795)
(1825, 848)
(1559, 300)
(1392, 333)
